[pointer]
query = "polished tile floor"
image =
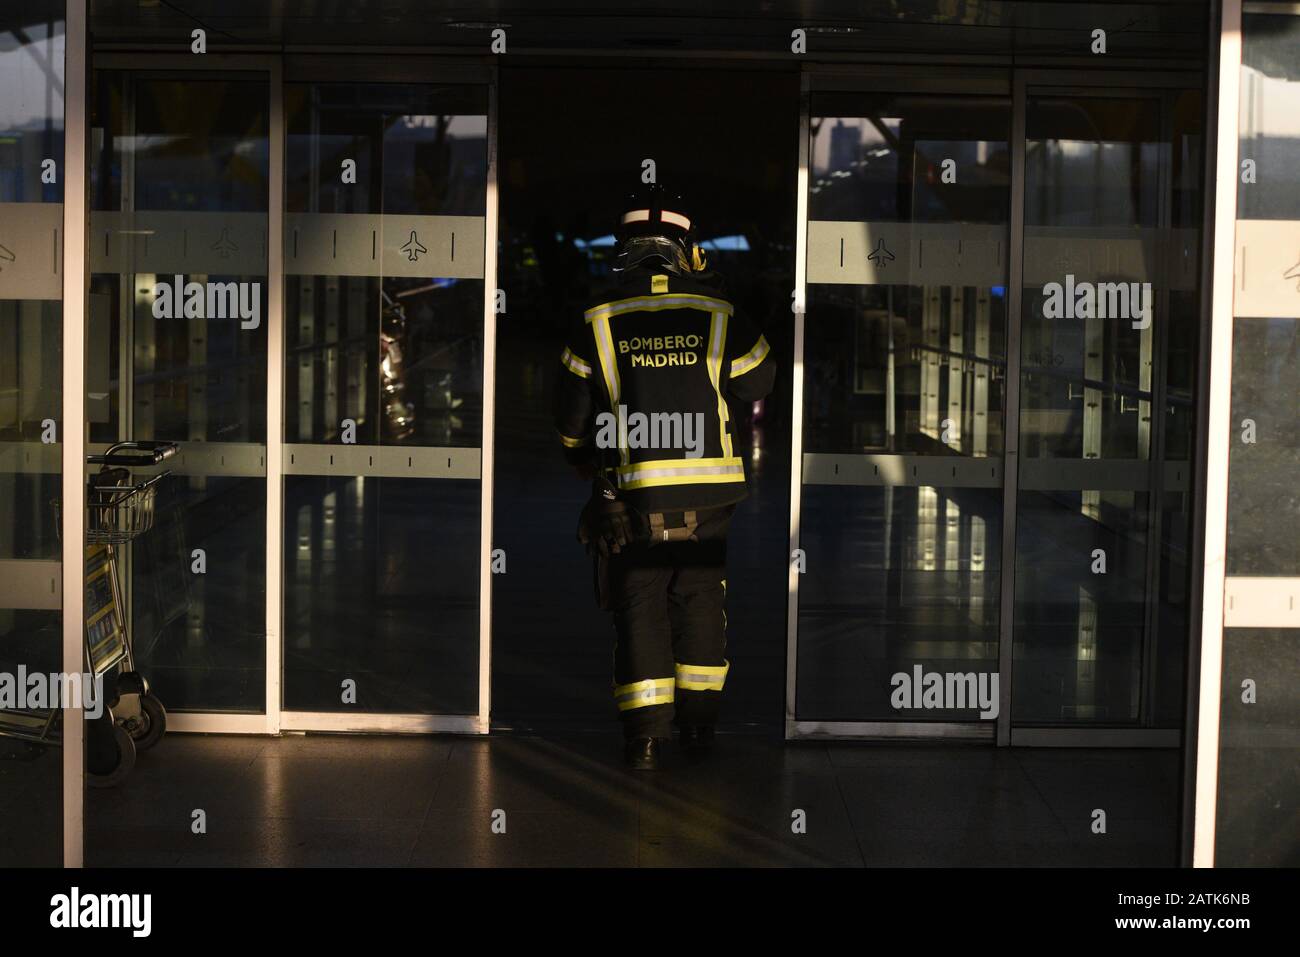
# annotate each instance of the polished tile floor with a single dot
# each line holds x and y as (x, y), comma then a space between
(424, 801)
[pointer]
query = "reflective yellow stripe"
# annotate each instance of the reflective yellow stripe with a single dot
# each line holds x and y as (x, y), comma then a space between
(642, 694)
(717, 347)
(664, 481)
(679, 463)
(702, 677)
(578, 367)
(609, 369)
(751, 359)
(676, 300)
(572, 443)
(681, 472)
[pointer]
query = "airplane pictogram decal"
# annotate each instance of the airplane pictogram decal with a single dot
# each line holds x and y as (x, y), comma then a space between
(412, 247)
(881, 256)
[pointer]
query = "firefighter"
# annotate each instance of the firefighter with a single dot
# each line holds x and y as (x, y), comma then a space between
(642, 410)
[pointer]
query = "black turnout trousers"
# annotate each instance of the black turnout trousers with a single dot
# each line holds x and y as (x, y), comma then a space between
(667, 604)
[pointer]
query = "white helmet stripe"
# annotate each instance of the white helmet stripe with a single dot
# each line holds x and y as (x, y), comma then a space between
(665, 216)
(677, 219)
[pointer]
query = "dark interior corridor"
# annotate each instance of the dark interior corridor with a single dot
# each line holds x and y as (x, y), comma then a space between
(727, 142)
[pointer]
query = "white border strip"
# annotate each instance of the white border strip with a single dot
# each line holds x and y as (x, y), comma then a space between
(796, 407)
(195, 722)
(275, 402)
(882, 730)
(75, 294)
(1217, 437)
(227, 722)
(489, 419)
(342, 721)
(31, 583)
(1252, 601)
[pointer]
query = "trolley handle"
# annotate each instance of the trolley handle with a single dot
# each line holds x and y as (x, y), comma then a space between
(122, 492)
(134, 454)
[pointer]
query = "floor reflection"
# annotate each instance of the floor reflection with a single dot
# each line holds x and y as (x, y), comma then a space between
(383, 801)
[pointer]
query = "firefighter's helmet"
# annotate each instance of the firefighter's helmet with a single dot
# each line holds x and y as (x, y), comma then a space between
(654, 230)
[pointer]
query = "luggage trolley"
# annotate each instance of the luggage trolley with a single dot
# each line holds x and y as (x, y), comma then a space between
(117, 511)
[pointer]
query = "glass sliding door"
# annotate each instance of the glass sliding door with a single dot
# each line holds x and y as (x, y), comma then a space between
(1107, 346)
(994, 394)
(177, 340)
(384, 403)
(903, 401)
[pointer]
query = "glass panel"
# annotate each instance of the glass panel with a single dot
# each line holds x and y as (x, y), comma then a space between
(31, 427)
(901, 579)
(179, 193)
(904, 363)
(386, 190)
(1112, 207)
(381, 587)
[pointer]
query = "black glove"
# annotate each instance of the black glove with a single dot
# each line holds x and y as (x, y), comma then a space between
(606, 523)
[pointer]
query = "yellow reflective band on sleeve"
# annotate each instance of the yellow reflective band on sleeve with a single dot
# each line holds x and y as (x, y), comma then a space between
(676, 300)
(609, 371)
(717, 348)
(681, 472)
(702, 677)
(642, 694)
(578, 367)
(572, 443)
(751, 359)
(658, 284)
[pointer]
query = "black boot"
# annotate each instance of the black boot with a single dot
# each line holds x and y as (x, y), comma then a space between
(696, 738)
(642, 754)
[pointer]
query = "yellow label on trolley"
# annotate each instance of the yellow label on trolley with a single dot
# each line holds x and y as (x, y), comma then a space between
(105, 634)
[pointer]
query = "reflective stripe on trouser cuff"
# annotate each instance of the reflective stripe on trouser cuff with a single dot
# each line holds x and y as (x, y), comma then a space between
(702, 677)
(641, 694)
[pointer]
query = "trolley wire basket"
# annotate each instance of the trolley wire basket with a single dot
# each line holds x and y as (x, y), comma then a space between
(117, 513)
(117, 509)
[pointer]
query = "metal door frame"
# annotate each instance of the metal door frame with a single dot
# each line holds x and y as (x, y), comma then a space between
(1016, 83)
(76, 293)
(274, 718)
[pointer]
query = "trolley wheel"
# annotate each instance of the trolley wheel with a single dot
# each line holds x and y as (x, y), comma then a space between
(125, 761)
(148, 724)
